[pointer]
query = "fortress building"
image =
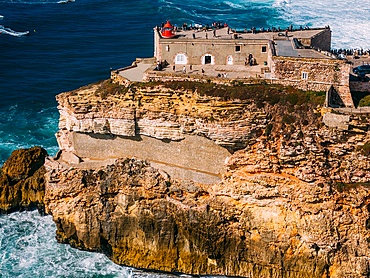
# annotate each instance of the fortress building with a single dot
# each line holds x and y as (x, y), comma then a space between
(223, 46)
(299, 58)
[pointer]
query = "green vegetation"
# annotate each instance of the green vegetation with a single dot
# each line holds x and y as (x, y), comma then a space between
(365, 101)
(107, 88)
(365, 149)
(268, 129)
(342, 186)
(288, 119)
(287, 109)
(260, 94)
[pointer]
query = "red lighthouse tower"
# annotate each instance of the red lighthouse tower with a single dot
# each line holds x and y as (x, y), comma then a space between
(168, 30)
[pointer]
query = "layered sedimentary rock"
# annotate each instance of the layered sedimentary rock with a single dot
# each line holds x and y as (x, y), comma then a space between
(293, 200)
(158, 112)
(22, 182)
(182, 132)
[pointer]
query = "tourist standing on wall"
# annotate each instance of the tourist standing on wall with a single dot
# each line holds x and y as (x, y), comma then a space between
(250, 59)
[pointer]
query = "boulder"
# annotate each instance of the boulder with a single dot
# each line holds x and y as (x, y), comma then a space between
(22, 183)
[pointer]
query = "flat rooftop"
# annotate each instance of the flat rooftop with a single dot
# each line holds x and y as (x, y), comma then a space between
(224, 34)
(284, 45)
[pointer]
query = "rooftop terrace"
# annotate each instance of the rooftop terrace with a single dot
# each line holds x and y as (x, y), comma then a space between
(227, 33)
(286, 44)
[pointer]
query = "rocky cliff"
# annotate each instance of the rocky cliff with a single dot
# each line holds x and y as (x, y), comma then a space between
(292, 199)
(22, 180)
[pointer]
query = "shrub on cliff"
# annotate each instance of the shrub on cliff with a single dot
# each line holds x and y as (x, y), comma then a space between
(107, 88)
(271, 94)
(365, 149)
(365, 101)
(286, 107)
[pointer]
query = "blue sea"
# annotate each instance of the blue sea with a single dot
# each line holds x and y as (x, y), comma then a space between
(71, 45)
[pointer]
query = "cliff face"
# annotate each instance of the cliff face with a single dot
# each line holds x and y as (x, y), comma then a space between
(187, 134)
(157, 111)
(22, 180)
(293, 200)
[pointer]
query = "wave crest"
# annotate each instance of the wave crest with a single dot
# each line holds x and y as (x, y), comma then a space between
(8, 31)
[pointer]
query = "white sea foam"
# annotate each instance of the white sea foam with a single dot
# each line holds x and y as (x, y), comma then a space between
(65, 1)
(28, 249)
(349, 21)
(8, 31)
(234, 5)
(33, 2)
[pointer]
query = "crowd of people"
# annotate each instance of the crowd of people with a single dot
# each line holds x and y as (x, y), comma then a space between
(343, 52)
(254, 30)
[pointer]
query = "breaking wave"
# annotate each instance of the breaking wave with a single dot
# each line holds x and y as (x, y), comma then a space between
(234, 5)
(65, 1)
(33, 2)
(28, 249)
(349, 22)
(8, 31)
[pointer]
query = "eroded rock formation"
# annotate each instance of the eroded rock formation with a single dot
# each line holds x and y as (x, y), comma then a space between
(264, 225)
(293, 200)
(22, 183)
(183, 132)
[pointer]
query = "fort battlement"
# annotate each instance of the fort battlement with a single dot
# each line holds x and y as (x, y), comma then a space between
(298, 58)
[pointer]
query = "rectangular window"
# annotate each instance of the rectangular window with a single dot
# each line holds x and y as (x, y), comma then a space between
(264, 49)
(237, 48)
(304, 75)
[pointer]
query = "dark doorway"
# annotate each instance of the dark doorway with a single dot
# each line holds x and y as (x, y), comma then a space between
(207, 59)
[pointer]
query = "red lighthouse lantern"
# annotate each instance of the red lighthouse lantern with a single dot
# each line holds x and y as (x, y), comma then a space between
(168, 30)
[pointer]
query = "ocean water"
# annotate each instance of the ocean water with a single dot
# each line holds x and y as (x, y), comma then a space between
(71, 45)
(28, 249)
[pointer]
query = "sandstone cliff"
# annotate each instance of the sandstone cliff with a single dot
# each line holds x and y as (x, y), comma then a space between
(292, 199)
(22, 182)
(252, 225)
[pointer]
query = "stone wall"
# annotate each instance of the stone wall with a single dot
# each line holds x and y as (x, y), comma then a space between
(219, 49)
(321, 74)
(322, 40)
(119, 79)
(168, 77)
(193, 158)
(336, 120)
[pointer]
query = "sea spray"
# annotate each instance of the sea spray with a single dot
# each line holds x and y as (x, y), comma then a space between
(28, 249)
